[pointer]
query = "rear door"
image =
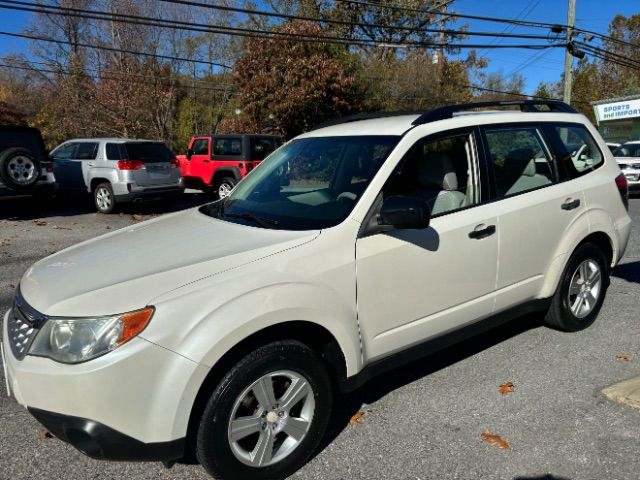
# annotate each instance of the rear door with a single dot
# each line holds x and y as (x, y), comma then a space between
(535, 204)
(200, 163)
(158, 170)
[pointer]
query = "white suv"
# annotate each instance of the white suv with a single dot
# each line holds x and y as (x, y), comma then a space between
(222, 331)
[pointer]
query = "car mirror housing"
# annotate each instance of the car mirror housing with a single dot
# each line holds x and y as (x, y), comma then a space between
(189, 154)
(405, 213)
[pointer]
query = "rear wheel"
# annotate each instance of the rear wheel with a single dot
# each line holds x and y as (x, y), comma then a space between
(581, 291)
(267, 415)
(223, 186)
(18, 168)
(104, 199)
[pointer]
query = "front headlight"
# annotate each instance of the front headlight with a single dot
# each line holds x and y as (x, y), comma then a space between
(75, 340)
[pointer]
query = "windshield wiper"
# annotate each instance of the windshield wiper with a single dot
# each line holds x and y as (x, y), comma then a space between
(263, 222)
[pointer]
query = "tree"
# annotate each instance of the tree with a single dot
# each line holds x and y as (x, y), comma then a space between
(297, 84)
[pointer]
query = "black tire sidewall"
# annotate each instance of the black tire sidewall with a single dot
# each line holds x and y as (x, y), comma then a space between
(113, 199)
(568, 321)
(213, 450)
(7, 155)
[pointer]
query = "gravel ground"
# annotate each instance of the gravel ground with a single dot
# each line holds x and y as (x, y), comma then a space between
(423, 421)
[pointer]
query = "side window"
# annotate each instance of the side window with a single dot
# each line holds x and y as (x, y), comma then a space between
(520, 159)
(227, 146)
(86, 151)
(64, 152)
(114, 152)
(439, 171)
(201, 146)
(580, 146)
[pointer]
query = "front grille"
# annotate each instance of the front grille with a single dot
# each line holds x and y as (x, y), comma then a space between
(22, 326)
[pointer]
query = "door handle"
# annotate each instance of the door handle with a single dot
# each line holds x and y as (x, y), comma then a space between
(482, 231)
(570, 204)
(91, 164)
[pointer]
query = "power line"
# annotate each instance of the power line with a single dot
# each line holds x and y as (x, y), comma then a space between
(353, 23)
(245, 32)
(111, 49)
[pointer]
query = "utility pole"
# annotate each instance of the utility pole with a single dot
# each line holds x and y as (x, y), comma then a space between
(568, 57)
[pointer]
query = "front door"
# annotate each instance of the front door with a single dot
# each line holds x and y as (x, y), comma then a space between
(200, 163)
(67, 172)
(414, 285)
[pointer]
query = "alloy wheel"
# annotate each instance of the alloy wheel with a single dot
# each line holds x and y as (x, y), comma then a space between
(585, 288)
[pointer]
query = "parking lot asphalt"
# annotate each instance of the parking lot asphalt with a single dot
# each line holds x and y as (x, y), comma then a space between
(422, 421)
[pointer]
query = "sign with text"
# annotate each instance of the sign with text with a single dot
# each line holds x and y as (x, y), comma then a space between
(617, 110)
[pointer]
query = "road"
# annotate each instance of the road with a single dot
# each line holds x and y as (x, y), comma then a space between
(423, 421)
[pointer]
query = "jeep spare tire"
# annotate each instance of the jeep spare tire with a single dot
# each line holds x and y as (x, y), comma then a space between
(19, 168)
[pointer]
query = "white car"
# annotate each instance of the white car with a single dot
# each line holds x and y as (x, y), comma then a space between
(628, 158)
(222, 331)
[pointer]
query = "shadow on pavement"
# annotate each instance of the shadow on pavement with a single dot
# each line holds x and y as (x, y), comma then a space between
(628, 271)
(346, 405)
(548, 476)
(35, 207)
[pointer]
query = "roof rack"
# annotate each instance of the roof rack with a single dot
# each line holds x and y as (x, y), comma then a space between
(525, 106)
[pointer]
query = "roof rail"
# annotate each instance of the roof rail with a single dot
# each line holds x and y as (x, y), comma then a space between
(365, 116)
(525, 106)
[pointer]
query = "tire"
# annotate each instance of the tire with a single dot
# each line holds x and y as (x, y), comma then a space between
(223, 186)
(103, 198)
(18, 168)
(585, 261)
(234, 397)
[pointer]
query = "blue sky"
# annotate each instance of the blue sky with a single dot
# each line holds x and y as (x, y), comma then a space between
(534, 65)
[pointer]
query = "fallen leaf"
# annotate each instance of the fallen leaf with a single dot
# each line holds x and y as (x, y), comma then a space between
(137, 217)
(624, 358)
(506, 388)
(40, 223)
(11, 285)
(108, 227)
(44, 433)
(357, 418)
(494, 440)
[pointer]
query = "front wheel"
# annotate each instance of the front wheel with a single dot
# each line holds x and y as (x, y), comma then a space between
(581, 291)
(268, 414)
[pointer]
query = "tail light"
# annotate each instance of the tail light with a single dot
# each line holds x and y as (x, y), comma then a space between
(130, 164)
(623, 188)
(48, 167)
(175, 162)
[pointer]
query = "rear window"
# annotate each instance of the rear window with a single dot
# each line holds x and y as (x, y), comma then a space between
(24, 139)
(631, 150)
(263, 146)
(148, 152)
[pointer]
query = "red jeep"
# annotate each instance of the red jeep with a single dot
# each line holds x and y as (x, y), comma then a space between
(215, 163)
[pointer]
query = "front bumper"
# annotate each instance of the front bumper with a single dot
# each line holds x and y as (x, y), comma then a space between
(104, 443)
(138, 397)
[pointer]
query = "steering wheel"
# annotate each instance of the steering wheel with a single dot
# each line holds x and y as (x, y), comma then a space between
(346, 197)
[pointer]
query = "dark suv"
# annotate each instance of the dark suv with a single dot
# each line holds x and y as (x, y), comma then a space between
(24, 164)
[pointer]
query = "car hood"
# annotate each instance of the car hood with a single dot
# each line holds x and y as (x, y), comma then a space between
(125, 269)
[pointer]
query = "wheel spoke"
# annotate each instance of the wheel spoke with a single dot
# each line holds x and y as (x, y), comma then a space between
(296, 427)
(244, 426)
(592, 298)
(575, 308)
(575, 288)
(263, 450)
(263, 391)
(298, 389)
(584, 271)
(595, 277)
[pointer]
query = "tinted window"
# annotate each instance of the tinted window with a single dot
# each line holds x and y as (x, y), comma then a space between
(309, 183)
(227, 146)
(201, 146)
(520, 159)
(628, 150)
(114, 152)
(86, 151)
(64, 152)
(263, 146)
(580, 147)
(148, 152)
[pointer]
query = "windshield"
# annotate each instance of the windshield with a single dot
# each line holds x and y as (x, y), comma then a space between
(308, 184)
(631, 150)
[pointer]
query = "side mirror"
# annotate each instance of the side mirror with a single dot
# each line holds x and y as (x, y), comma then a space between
(405, 213)
(189, 153)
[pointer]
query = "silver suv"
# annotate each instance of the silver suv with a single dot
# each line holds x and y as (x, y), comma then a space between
(117, 170)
